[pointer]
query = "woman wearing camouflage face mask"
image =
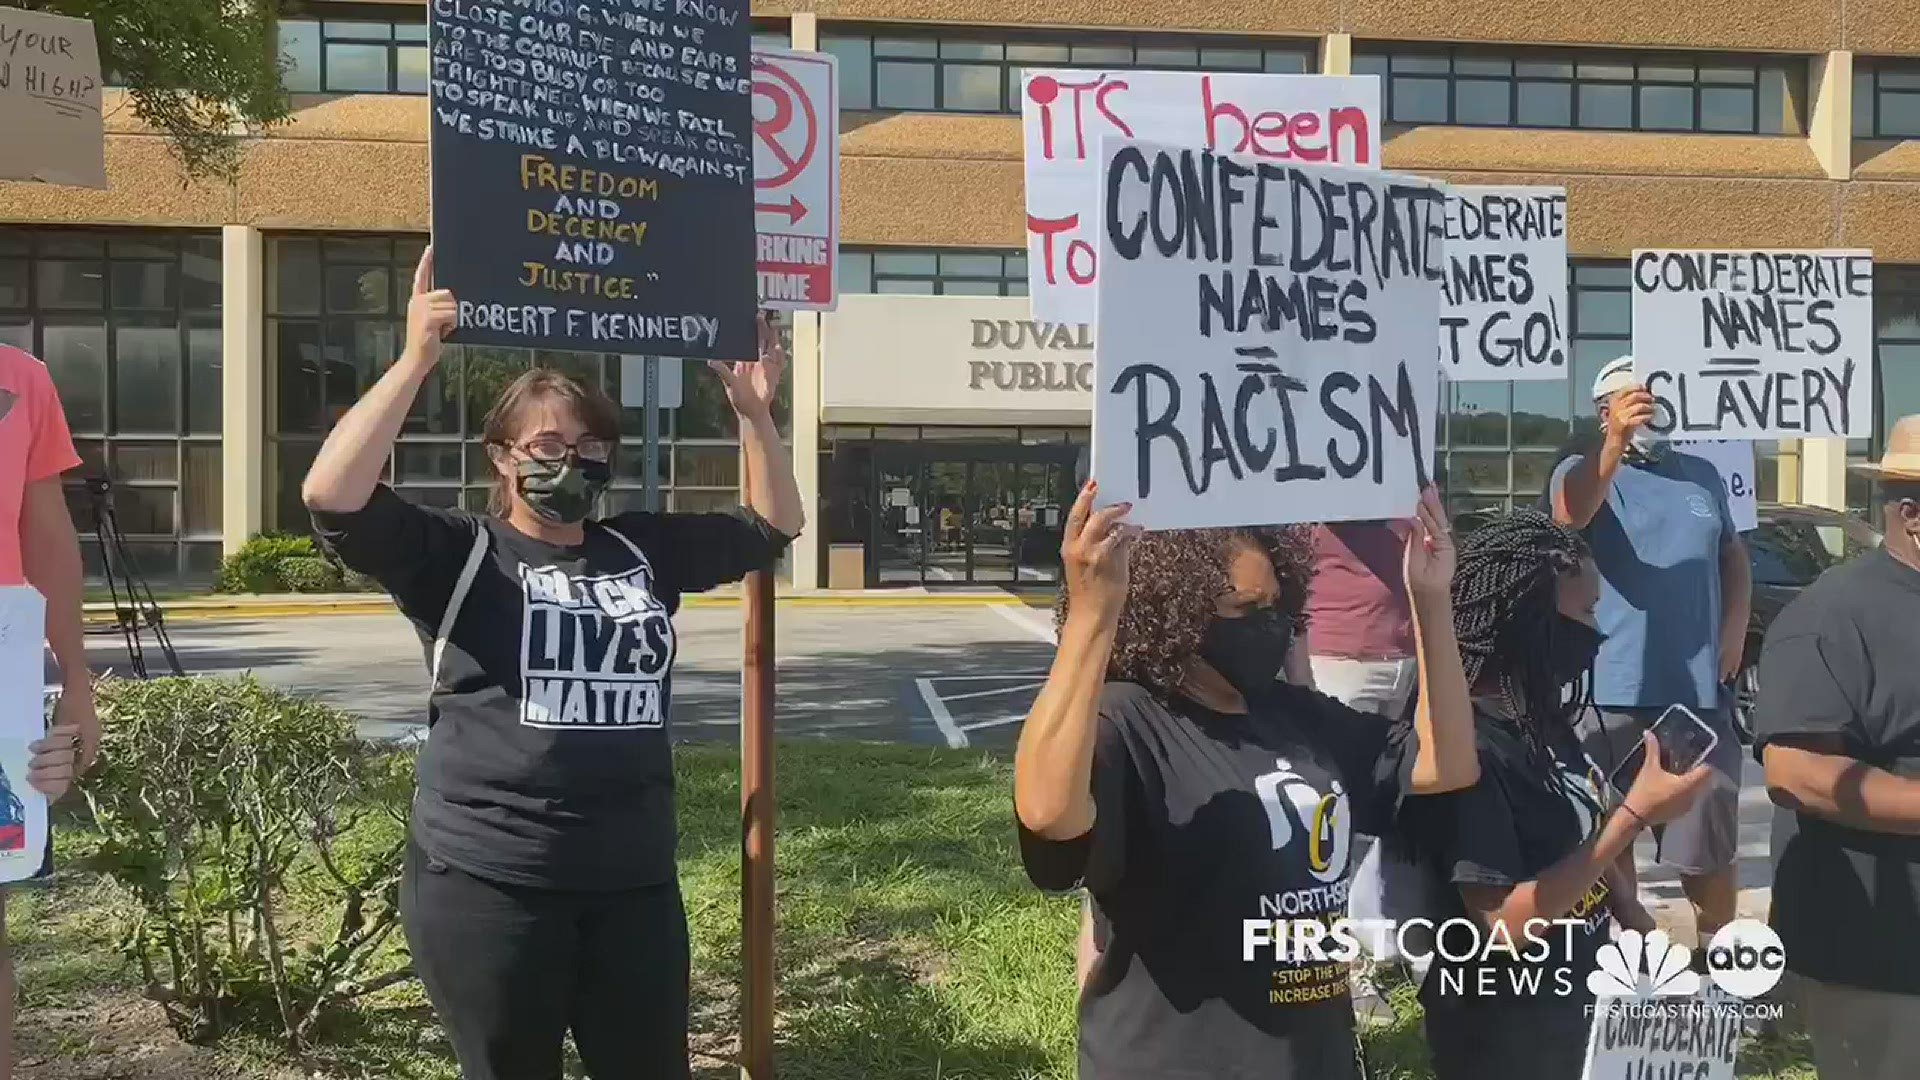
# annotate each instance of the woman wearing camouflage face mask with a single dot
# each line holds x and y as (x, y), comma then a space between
(540, 892)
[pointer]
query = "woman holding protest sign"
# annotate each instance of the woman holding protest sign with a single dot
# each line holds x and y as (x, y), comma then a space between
(1208, 807)
(1529, 855)
(540, 892)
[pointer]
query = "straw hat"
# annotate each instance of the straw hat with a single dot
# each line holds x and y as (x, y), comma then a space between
(1902, 458)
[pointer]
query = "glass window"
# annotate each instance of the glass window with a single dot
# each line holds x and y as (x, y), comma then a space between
(931, 272)
(300, 55)
(1886, 98)
(354, 56)
(1534, 88)
(969, 72)
(116, 315)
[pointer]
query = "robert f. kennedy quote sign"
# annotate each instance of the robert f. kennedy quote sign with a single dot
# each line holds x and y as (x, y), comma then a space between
(1267, 338)
(593, 174)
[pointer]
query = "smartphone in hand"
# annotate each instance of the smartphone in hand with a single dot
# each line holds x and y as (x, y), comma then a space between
(1684, 739)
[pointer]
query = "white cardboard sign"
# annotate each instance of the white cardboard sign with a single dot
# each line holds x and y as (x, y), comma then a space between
(50, 119)
(1736, 461)
(796, 178)
(1271, 367)
(1064, 115)
(23, 811)
(1755, 344)
(1681, 1037)
(1505, 315)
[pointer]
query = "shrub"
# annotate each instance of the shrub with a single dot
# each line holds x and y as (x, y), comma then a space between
(310, 574)
(218, 800)
(255, 568)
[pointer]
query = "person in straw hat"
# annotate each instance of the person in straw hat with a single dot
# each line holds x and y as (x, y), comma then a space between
(1838, 729)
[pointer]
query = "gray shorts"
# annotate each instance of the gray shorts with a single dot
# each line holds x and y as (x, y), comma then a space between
(1705, 838)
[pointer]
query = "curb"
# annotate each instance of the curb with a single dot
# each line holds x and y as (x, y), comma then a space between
(99, 616)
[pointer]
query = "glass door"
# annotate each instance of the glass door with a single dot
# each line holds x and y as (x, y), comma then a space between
(993, 525)
(1046, 491)
(898, 523)
(944, 507)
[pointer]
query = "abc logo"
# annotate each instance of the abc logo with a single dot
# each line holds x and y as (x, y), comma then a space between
(1746, 958)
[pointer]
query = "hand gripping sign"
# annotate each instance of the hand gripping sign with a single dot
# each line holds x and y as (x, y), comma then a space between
(1293, 119)
(796, 178)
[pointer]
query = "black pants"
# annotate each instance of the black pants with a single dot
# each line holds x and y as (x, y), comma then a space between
(510, 970)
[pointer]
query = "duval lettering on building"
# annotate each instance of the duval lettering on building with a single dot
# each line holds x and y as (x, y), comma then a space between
(1029, 333)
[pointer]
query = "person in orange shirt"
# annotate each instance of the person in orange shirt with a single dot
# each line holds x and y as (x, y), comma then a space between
(38, 547)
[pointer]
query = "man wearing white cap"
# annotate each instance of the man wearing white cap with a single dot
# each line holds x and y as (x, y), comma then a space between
(1675, 595)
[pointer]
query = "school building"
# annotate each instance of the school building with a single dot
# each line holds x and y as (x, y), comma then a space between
(205, 335)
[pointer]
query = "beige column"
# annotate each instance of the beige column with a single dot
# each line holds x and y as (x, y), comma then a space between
(805, 28)
(1336, 54)
(805, 558)
(1823, 462)
(243, 385)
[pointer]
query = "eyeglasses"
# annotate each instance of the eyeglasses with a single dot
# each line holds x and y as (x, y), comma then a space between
(552, 448)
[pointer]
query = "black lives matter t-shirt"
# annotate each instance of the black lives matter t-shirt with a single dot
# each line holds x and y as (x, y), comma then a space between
(548, 762)
(1528, 812)
(1840, 661)
(1204, 822)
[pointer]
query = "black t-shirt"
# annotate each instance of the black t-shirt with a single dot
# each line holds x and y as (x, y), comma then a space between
(1204, 821)
(547, 762)
(1525, 815)
(1840, 661)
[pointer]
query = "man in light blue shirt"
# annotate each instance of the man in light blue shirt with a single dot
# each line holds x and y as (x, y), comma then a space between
(1676, 591)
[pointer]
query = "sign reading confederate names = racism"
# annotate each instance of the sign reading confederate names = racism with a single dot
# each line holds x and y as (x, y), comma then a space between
(593, 174)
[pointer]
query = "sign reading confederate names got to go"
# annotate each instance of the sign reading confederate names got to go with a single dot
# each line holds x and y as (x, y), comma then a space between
(592, 174)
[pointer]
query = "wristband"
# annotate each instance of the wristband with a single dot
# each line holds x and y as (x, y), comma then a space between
(1644, 823)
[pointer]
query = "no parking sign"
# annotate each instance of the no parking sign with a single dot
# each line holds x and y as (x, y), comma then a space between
(796, 178)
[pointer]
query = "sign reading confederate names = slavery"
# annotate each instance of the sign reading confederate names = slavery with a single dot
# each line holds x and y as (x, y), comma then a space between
(593, 174)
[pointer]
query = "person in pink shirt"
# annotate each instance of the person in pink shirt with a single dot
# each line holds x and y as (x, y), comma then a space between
(38, 547)
(1359, 623)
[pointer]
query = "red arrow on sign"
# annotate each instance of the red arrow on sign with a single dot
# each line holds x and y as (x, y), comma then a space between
(794, 209)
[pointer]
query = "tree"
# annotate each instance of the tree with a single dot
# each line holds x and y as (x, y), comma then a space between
(196, 70)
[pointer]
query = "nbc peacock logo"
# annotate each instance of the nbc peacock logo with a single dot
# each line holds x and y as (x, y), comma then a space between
(1643, 965)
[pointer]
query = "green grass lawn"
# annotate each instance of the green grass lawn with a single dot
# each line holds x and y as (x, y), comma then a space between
(910, 945)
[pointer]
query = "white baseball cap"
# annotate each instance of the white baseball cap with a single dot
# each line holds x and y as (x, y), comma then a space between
(1616, 376)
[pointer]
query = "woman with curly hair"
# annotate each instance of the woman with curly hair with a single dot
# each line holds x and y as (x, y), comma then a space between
(1530, 854)
(1208, 807)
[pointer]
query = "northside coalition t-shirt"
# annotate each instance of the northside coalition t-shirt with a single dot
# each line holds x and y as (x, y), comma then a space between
(1525, 815)
(1657, 543)
(1203, 821)
(548, 762)
(34, 446)
(1357, 606)
(1840, 660)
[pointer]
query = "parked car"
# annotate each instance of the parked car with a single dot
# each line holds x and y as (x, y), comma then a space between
(1788, 552)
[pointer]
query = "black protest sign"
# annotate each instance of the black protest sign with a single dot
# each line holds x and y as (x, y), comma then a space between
(1266, 338)
(1755, 344)
(1505, 314)
(593, 175)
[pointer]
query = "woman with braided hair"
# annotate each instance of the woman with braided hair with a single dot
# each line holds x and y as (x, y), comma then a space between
(1206, 805)
(1529, 854)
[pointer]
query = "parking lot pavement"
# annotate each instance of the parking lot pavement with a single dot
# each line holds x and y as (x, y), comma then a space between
(958, 675)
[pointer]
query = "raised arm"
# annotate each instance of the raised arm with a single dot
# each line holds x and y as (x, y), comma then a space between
(1582, 491)
(1445, 758)
(1053, 765)
(772, 491)
(348, 466)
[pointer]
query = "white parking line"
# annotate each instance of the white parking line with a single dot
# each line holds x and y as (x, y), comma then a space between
(1026, 618)
(990, 693)
(1000, 722)
(956, 738)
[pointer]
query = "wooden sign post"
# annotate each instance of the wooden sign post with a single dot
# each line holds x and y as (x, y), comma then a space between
(756, 820)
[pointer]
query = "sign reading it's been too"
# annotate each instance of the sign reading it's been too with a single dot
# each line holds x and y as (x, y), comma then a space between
(1268, 338)
(593, 174)
(1755, 344)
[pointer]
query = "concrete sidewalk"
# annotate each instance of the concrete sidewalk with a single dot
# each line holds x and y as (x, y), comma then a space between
(301, 605)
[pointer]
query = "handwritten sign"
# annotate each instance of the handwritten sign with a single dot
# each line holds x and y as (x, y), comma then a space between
(23, 811)
(592, 175)
(1667, 1038)
(1755, 344)
(1310, 119)
(1266, 338)
(1736, 462)
(1505, 315)
(796, 178)
(50, 120)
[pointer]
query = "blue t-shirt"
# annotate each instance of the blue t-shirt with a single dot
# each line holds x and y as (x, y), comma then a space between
(1657, 542)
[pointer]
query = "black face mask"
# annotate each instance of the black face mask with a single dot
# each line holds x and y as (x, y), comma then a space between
(564, 491)
(1248, 651)
(1575, 644)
